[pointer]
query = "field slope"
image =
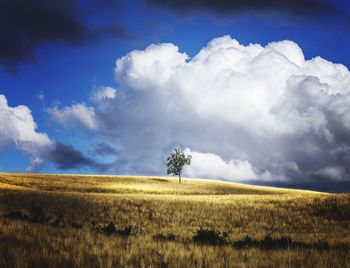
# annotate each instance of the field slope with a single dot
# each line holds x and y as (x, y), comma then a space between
(125, 221)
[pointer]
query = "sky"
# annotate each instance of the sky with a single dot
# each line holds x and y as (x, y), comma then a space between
(257, 91)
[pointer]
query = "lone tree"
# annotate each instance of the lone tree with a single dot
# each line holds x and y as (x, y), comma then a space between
(176, 161)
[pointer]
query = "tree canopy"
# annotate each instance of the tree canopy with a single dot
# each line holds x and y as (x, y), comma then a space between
(176, 161)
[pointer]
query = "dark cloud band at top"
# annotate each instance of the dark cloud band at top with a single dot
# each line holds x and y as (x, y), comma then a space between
(24, 25)
(297, 7)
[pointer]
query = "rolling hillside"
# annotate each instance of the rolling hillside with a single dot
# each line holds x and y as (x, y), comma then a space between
(113, 221)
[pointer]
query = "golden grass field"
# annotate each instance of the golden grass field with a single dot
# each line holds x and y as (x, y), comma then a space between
(164, 216)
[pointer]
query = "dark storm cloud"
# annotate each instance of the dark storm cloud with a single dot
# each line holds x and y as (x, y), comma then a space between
(66, 157)
(298, 7)
(327, 186)
(104, 149)
(114, 31)
(26, 24)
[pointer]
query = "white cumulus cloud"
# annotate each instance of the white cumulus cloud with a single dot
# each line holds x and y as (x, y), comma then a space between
(18, 130)
(248, 111)
(208, 165)
(79, 112)
(104, 93)
(143, 69)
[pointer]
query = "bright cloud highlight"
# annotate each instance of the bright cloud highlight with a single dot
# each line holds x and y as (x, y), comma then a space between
(212, 166)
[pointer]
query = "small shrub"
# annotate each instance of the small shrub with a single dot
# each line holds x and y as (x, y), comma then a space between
(125, 232)
(210, 237)
(162, 237)
(76, 225)
(321, 245)
(284, 242)
(15, 215)
(268, 242)
(110, 229)
(36, 214)
(33, 214)
(246, 242)
(56, 222)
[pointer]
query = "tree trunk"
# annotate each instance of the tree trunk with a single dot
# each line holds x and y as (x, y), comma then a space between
(179, 178)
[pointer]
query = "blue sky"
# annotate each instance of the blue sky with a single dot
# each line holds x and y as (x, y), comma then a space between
(66, 67)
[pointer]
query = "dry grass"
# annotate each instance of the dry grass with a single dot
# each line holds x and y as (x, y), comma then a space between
(76, 206)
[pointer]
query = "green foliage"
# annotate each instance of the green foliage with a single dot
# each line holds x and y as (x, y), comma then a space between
(176, 161)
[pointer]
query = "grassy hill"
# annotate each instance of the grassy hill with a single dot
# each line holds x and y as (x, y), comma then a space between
(113, 221)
